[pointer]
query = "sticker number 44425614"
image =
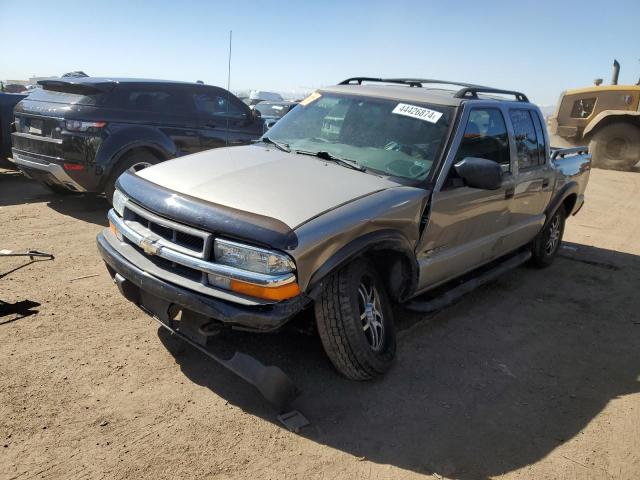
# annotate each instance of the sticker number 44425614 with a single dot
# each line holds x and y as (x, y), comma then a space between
(420, 113)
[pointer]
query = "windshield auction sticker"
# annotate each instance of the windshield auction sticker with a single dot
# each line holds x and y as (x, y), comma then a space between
(314, 96)
(417, 112)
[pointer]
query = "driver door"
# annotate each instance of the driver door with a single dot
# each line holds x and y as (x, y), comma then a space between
(224, 120)
(466, 224)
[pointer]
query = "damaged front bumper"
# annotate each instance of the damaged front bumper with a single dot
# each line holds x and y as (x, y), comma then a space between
(160, 297)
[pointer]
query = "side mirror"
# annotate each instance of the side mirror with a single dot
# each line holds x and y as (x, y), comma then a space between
(480, 173)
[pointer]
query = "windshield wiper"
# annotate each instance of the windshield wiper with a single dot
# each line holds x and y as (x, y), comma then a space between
(279, 145)
(345, 162)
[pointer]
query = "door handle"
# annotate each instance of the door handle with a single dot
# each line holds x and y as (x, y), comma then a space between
(509, 192)
(545, 183)
(210, 125)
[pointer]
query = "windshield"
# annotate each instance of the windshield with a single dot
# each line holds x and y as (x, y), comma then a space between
(46, 95)
(395, 138)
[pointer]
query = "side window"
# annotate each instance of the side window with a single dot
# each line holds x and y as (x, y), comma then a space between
(526, 138)
(214, 104)
(542, 148)
(157, 100)
(485, 136)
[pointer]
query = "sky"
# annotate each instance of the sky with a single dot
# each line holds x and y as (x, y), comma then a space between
(540, 48)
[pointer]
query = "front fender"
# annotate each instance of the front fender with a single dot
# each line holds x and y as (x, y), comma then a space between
(386, 220)
(607, 114)
(388, 240)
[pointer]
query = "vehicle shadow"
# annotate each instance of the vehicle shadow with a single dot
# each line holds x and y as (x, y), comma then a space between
(17, 310)
(16, 189)
(488, 385)
(88, 207)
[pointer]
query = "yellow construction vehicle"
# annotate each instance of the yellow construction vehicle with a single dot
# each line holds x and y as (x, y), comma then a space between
(605, 116)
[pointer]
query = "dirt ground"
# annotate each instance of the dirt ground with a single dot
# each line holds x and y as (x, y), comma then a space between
(536, 376)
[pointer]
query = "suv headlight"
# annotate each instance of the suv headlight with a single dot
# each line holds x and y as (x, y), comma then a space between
(119, 201)
(250, 258)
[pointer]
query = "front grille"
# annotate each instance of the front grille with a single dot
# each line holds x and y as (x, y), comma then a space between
(173, 235)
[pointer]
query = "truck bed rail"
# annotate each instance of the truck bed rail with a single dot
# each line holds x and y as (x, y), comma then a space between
(563, 152)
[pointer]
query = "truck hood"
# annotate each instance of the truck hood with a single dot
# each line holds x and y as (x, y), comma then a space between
(290, 187)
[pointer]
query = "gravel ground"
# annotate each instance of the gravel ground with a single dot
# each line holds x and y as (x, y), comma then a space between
(534, 376)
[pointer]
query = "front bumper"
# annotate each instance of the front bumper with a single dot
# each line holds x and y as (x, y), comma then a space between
(157, 296)
(45, 169)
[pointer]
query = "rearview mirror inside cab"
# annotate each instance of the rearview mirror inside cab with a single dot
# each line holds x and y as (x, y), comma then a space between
(480, 173)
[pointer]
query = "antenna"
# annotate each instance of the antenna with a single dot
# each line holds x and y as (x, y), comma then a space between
(229, 84)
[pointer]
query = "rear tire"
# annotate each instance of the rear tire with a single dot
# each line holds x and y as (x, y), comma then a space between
(355, 322)
(133, 161)
(546, 245)
(616, 147)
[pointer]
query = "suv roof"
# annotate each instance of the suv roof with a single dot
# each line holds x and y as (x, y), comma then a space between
(414, 90)
(103, 84)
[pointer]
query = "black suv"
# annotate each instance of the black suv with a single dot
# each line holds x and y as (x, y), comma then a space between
(80, 134)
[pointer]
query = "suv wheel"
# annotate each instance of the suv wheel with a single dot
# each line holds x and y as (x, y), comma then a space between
(547, 243)
(616, 147)
(355, 322)
(134, 162)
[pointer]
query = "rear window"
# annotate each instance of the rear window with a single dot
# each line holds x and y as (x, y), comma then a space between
(42, 95)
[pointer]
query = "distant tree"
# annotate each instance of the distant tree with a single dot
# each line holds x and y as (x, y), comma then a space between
(1, 86)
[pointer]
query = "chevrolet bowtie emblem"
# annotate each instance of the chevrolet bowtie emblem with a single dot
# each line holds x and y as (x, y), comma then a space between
(149, 246)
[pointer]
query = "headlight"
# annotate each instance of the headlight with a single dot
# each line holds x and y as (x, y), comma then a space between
(250, 258)
(118, 202)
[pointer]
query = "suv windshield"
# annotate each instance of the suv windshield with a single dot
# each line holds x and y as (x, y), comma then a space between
(402, 139)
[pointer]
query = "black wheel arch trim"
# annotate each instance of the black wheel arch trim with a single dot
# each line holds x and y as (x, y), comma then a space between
(385, 239)
(558, 199)
(125, 139)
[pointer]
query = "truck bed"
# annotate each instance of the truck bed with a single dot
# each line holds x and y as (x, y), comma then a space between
(573, 165)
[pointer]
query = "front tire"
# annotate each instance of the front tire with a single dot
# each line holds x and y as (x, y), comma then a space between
(355, 322)
(616, 147)
(546, 245)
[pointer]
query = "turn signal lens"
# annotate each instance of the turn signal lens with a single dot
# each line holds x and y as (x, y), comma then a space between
(115, 231)
(282, 292)
(72, 166)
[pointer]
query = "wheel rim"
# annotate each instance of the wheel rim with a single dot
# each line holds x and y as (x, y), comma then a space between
(371, 314)
(553, 238)
(136, 167)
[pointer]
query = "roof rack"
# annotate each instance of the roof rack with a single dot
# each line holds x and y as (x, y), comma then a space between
(472, 92)
(469, 90)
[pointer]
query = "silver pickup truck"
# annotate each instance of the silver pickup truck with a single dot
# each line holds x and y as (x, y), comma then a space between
(370, 192)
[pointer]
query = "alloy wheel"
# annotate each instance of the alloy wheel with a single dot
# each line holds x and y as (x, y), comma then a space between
(371, 314)
(136, 167)
(553, 236)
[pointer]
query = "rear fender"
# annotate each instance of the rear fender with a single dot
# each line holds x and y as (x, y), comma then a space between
(125, 139)
(568, 189)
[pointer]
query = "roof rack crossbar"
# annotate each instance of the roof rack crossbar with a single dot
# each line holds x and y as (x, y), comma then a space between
(472, 92)
(412, 82)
